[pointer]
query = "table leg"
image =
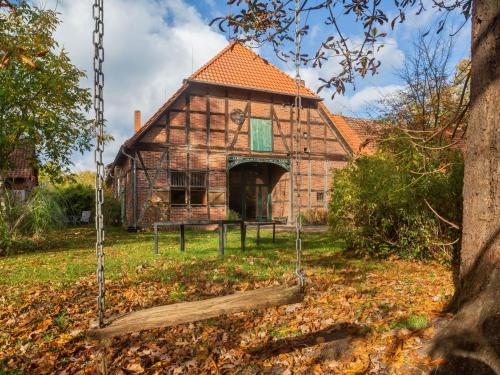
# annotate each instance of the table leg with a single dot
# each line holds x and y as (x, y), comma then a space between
(221, 239)
(181, 237)
(243, 233)
(156, 239)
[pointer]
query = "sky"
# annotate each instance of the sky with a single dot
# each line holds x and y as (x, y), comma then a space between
(152, 45)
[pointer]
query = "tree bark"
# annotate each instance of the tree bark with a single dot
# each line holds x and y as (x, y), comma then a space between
(481, 215)
(470, 344)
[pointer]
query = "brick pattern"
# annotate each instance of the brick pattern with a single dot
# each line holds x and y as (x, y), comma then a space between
(199, 138)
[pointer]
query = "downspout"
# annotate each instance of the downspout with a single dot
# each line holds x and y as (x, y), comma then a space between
(133, 228)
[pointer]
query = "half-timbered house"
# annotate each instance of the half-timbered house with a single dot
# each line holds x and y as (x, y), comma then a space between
(225, 141)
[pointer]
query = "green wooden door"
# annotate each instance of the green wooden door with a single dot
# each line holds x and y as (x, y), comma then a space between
(261, 135)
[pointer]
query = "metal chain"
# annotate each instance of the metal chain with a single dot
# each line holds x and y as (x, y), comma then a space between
(298, 104)
(98, 15)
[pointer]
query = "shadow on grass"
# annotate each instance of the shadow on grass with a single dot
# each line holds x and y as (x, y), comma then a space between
(334, 333)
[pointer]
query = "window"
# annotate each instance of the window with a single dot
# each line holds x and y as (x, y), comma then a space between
(178, 196)
(198, 179)
(197, 187)
(198, 197)
(178, 179)
(261, 138)
(320, 196)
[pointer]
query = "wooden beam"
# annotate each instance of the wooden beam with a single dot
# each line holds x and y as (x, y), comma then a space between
(187, 312)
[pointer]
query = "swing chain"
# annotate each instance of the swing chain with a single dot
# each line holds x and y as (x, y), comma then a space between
(98, 16)
(298, 104)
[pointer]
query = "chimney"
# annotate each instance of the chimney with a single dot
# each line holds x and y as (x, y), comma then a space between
(302, 83)
(137, 120)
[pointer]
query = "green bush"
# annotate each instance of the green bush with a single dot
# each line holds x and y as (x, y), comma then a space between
(111, 210)
(75, 198)
(30, 220)
(78, 197)
(378, 203)
(233, 215)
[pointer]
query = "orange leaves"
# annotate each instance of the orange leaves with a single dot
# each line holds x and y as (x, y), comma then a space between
(347, 324)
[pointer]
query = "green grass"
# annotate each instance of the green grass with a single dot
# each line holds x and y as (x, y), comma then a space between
(67, 255)
(412, 322)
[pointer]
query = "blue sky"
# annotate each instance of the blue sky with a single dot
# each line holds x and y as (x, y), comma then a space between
(151, 45)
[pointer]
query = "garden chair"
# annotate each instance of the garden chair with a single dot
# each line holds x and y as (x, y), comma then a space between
(85, 219)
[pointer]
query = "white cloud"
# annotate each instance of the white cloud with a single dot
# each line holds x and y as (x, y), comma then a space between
(361, 103)
(369, 90)
(150, 46)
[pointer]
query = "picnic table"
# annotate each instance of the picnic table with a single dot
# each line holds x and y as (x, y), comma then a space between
(222, 224)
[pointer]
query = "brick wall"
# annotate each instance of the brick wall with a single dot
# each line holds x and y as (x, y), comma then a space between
(197, 133)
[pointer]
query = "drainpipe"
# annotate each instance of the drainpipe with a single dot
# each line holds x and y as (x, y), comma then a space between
(133, 228)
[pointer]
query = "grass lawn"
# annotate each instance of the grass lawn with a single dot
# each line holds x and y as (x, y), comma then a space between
(358, 315)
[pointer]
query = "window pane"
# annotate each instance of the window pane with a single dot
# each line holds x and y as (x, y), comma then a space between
(320, 196)
(178, 196)
(198, 197)
(261, 135)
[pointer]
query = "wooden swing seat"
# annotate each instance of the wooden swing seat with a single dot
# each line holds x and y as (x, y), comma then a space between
(187, 312)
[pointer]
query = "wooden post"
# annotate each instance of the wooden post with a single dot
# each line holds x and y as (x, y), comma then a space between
(243, 233)
(181, 236)
(225, 235)
(258, 234)
(156, 238)
(221, 238)
(274, 232)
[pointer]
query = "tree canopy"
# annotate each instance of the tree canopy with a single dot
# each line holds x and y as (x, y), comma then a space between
(42, 105)
(272, 22)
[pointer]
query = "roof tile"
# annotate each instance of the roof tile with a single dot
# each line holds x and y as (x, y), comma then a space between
(238, 66)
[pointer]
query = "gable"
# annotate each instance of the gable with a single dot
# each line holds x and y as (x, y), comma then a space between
(238, 66)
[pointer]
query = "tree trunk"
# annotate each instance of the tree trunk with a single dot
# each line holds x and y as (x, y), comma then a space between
(471, 342)
(3, 194)
(481, 215)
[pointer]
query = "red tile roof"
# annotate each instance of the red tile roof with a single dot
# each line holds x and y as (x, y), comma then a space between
(21, 160)
(359, 133)
(238, 66)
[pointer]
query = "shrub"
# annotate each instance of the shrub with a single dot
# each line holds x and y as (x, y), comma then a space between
(378, 203)
(75, 198)
(111, 210)
(314, 216)
(33, 218)
(233, 215)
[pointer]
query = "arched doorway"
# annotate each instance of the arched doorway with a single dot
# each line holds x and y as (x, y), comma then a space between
(251, 185)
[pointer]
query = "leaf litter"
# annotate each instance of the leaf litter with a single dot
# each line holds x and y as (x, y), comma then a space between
(353, 320)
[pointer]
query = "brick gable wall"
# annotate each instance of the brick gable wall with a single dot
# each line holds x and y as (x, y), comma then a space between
(197, 134)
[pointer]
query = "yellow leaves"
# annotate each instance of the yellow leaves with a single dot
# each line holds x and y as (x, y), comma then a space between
(27, 61)
(135, 368)
(322, 335)
(44, 325)
(359, 366)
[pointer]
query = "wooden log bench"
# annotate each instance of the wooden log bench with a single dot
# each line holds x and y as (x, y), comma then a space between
(187, 312)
